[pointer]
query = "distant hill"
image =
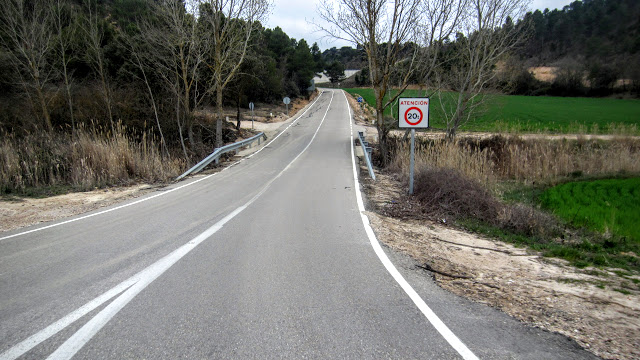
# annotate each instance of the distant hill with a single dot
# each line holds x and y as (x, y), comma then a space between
(594, 30)
(587, 48)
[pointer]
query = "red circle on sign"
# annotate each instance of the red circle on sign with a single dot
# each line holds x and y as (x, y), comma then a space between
(407, 113)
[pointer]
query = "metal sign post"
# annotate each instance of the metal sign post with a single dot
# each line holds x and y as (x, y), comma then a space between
(287, 101)
(251, 107)
(413, 113)
(412, 160)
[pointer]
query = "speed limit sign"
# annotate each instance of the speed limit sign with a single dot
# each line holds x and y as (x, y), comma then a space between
(413, 113)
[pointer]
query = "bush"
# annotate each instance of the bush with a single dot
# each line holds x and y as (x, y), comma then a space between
(448, 192)
(526, 220)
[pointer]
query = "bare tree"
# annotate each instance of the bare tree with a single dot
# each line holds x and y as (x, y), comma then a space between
(174, 50)
(64, 28)
(383, 29)
(232, 23)
(136, 59)
(487, 34)
(26, 26)
(441, 19)
(94, 32)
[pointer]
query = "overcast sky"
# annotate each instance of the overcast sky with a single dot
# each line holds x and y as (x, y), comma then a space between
(293, 17)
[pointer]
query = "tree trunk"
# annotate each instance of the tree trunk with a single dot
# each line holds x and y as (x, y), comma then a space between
(45, 111)
(184, 148)
(383, 130)
(238, 123)
(107, 99)
(70, 101)
(188, 116)
(219, 117)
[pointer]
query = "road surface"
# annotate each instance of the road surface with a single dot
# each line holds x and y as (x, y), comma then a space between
(270, 258)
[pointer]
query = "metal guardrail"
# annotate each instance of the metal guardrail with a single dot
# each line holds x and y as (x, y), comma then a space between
(215, 155)
(367, 153)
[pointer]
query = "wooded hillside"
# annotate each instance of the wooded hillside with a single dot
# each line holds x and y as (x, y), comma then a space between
(593, 47)
(146, 63)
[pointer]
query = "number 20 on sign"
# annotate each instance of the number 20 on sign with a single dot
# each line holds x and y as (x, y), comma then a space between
(413, 113)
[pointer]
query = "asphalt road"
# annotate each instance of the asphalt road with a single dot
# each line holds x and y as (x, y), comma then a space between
(269, 258)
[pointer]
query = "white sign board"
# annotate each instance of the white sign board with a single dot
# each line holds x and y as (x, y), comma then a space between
(413, 113)
(286, 100)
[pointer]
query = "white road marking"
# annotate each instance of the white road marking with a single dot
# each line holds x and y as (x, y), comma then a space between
(163, 193)
(132, 286)
(448, 335)
(33, 341)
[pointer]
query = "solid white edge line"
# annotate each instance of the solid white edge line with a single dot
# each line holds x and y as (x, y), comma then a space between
(44, 334)
(163, 193)
(440, 326)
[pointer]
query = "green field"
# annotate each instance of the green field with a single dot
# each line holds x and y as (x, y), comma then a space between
(537, 113)
(607, 206)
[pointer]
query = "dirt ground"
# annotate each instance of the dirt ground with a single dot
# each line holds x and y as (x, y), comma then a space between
(17, 212)
(544, 73)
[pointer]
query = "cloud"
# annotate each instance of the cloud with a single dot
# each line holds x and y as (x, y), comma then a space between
(295, 18)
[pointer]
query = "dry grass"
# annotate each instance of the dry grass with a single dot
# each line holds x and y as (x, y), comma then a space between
(529, 161)
(463, 157)
(550, 161)
(91, 160)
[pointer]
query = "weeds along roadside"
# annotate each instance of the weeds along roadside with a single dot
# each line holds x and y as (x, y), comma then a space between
(469, 179)
(91, 159)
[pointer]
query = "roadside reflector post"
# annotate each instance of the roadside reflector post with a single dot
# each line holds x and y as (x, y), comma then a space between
(413, 113)
(251, 106)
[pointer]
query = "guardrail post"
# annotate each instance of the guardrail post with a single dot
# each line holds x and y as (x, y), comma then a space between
(367, 150)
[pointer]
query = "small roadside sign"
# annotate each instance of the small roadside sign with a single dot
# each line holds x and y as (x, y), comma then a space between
(251, 106)
(287, 101)
(413, 113)
(360, 99)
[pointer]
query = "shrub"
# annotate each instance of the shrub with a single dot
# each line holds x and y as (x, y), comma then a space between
(448, 192)
(526, 220)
